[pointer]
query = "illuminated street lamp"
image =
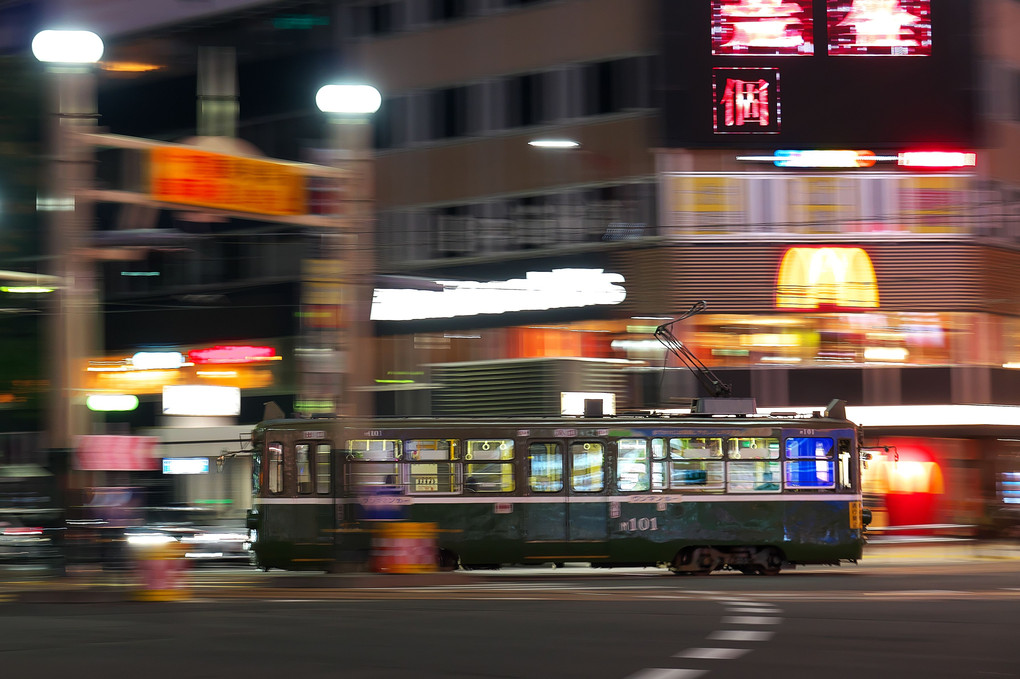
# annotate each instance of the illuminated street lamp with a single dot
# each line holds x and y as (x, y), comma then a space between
(336, 360)
(74, 333)
(348, 99)
(67, 47)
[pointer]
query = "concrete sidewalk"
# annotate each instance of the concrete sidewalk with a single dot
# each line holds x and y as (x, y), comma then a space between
(118, 586)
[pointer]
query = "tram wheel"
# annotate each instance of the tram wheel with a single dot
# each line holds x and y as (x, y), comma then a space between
(706, 560)
(771, 562)
(447, 560)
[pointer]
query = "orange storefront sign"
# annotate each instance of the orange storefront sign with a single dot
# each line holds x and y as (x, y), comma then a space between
(216, 180)
(813, 278)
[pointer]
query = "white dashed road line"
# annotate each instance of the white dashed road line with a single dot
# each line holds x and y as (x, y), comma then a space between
(722, 653)
(750, 620)
(740, 635)
(713, 653)
(667, 673)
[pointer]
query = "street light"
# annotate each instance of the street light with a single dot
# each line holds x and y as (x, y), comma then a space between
(337, 359)
(74, 331)
(67, 47)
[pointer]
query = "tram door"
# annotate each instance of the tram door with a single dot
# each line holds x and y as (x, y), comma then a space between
(566, 487)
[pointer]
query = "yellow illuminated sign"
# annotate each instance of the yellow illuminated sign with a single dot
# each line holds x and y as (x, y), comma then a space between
(856, 516)
(202, 178)
(820, 277)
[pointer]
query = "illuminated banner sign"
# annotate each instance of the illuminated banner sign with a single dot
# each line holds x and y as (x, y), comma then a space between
(879, 27)
(762, 27)
(108, 452)
(232, 354)
(185, 465)
(202, 401)
(812, 278)
(538, 291)
(193, 177)
(746, 100)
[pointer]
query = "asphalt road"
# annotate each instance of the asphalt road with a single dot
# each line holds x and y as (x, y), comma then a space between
(902, 620)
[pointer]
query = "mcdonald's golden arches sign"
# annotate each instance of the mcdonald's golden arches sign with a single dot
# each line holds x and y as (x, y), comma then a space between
(826, 277)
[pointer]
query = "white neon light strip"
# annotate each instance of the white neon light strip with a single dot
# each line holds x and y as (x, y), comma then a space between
(922, 416)
(537, 291)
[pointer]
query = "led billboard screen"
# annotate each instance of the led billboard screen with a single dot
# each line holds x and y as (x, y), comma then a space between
(879, 27)
(746, 100)
(715, 93)
(762, 27)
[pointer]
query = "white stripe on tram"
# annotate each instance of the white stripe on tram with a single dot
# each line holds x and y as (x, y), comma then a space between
(398, 500)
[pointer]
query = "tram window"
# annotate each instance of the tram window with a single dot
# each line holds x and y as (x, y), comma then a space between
(304, 469)
(256, 468)
(430, 449)
(846, 480)
(800, 447)
(753, 448)
(809, 474)
(500, 449)
(488, 477)
(696, 474)
(658, 449)
(322, 471)
(275, 467)
(632, 472)
(373, 449)
(753, 476)
(587, 466)
(809, 463)
(659, 475)
(432, 477)
(695, 449)
(545, 461)
(370, 477)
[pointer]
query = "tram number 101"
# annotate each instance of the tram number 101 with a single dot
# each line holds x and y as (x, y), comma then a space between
(641, 524)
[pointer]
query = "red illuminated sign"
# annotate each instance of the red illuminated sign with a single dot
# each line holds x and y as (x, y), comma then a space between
(762, 27)
(746, 100)
(232, 354)
(879, 27)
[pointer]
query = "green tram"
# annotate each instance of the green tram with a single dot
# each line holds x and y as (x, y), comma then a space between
(694, 493)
